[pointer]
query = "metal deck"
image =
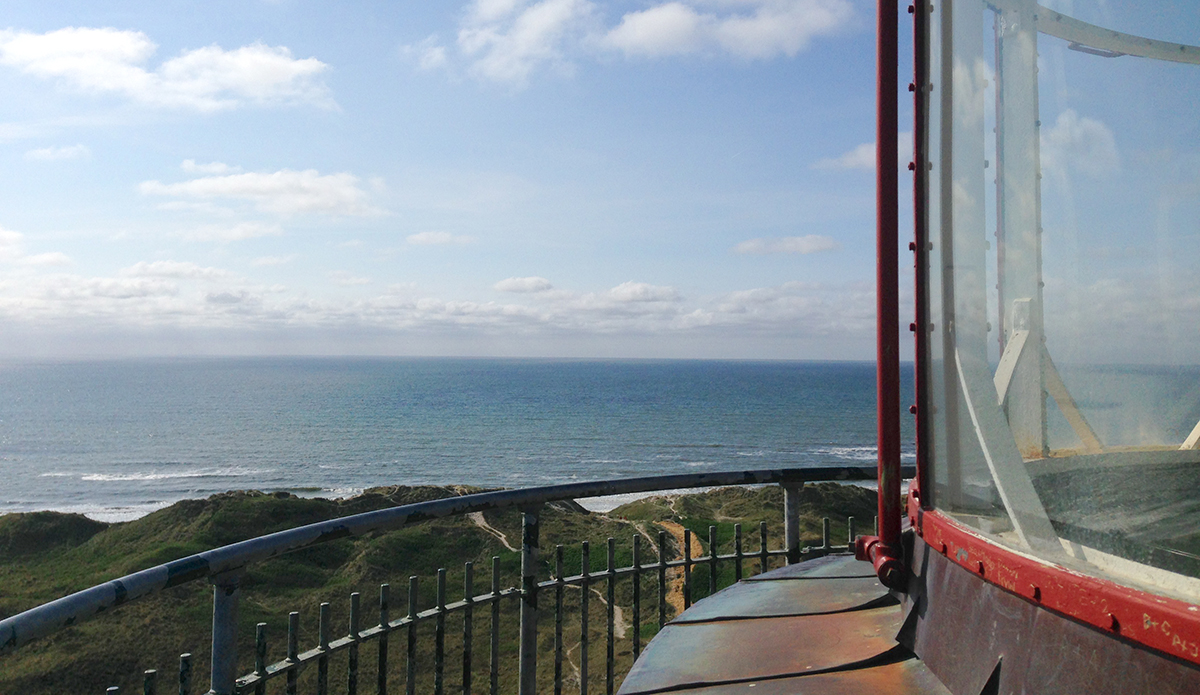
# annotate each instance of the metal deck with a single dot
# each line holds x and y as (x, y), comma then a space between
(825, 626)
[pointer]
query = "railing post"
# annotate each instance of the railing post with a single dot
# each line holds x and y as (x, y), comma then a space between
(226, 592)
(792, 485)
(529, 612)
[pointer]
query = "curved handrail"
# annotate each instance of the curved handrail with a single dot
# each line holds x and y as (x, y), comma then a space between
(47, 618)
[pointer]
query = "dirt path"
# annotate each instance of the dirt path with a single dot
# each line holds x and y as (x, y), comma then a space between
(675, 585)
(482, 523)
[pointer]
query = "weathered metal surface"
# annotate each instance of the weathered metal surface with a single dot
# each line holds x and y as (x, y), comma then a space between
(1038, 650)
(1169, 625)
(226, 591)
(908, 677)
(786, 598)
(774, 636)
(527, 656)
(832, 566)
(761, 647)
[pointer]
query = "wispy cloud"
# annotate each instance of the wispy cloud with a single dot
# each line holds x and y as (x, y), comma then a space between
(763, 30)
(862, 157)
(643, 292)
(12, 250)
(113, 61)
(233, 232)
(524, 285)
(438, 239)
(190, 166)
(1080, 143)
(58, 154)
(264, 261)
(284, 192)
(810, 243)
(347, 279)
(172, 269)
(49, 258)
(507, 41)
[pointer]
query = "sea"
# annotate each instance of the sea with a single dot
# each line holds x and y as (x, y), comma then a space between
(116, 440)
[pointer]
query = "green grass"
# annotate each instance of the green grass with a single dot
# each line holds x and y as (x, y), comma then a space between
(46, 555)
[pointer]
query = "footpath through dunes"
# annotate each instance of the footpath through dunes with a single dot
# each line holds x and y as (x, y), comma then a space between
(46, 555)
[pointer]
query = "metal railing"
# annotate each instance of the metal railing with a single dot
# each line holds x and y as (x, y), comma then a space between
(225, 566)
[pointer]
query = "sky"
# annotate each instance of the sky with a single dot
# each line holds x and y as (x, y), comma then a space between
(539, 178)
(560, 178)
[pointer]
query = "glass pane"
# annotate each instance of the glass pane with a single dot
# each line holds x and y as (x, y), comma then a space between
(1065, 218)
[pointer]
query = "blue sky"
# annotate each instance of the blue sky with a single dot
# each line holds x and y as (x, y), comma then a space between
(497, 177)
(554, 177)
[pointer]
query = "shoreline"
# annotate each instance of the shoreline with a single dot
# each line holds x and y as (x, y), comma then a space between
(597, 505)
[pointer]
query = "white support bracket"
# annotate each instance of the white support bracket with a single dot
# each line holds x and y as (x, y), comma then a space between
(1025, 510)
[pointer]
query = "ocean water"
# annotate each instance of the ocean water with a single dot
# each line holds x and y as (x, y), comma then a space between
(118, 439)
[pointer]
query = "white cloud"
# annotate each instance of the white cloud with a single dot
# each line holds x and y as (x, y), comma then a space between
(263, 261)
(1080, 143)
(235, 232)
(226, 297)
(58, 154)
(507, 40)
(12, 250)
(76, 288)
(643, 292)
(112, 61)
(669, 29)
(45, 259)
(346, 279)
(810, 243)
(863, 156)
(767, 29)
(190, 166)
(285, 192)
(429, 53)
(525, 285)
(172, 269)
(437, 239)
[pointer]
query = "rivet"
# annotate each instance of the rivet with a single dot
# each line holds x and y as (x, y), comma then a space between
(912, 409)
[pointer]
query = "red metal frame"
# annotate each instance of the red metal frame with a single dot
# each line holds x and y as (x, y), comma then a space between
(885, 551)
(1170, 626)
(1167, 625)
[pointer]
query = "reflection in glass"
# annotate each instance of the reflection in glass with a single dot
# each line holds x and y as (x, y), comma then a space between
(1064, 216)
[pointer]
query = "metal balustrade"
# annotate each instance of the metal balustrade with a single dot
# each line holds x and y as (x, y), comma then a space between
(224, 567)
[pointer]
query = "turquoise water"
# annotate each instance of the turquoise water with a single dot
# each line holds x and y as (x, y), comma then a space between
(119, 439)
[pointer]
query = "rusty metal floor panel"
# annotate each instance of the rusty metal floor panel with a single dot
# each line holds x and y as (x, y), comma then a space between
(779, 599)
(828, 567)
(834, 633)
(909, 676)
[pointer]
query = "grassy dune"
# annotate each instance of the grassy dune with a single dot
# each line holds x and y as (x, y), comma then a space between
(46, 555)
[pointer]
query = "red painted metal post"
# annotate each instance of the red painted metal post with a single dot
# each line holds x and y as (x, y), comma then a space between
(884, 551)
(923, 485)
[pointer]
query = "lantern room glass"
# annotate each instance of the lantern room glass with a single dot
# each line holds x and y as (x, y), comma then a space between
(1064, 282)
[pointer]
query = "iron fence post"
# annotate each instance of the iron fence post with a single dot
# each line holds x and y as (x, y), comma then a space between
(791, 517)
(529, 588)
(226, 592)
